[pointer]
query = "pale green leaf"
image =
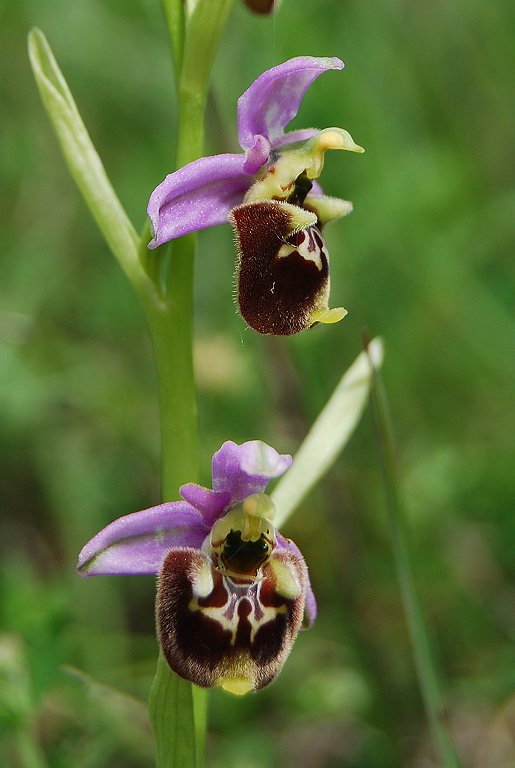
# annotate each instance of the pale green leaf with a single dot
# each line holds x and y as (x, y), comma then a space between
(328, 435)
(82, 158)
(122, 715)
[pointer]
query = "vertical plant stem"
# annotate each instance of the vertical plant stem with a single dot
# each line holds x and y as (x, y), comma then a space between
(29, 752)
(170, 323)
(179, 732)
(179, 710)
(419, 638)
(172, 700)
(174, 14)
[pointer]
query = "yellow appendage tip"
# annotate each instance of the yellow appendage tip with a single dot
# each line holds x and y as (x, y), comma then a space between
(237, 685)
(328, 316)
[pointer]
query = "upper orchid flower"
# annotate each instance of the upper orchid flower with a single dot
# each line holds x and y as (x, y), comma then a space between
(232, 591)
(269, 194)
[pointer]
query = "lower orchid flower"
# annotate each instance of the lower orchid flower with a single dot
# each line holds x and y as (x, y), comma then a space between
(269, 194)
(233, 592)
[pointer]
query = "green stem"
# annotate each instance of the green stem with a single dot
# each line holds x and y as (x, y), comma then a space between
(29, 751)
(424, 663)
(178, 734)
(178, 710)
(174, 13)
(171, 327)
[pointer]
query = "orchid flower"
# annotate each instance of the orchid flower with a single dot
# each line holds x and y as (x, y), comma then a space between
(232, 591)
(269, 194)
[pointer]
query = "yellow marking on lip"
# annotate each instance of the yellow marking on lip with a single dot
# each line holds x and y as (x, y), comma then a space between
(286, 585)
(237, 685)
(202, 581)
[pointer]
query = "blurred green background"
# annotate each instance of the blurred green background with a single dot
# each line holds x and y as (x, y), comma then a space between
(425, 261)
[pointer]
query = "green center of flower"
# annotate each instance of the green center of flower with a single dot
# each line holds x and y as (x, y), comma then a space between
(306, 158)
(243, 540)
(244, 557)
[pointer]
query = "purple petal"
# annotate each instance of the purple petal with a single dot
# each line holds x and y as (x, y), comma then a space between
(311, 604)
(245, 469)
(274, 98)
(212, 505)
(257, 155)
(293, 136)
(197, 196)
(316, 189)
(138, 543)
